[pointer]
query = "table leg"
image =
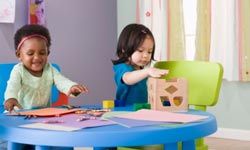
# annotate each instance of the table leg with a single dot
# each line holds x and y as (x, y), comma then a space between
(39, 147)
(188, 145)
(101, 148)
(62, 148)
(171, 146)
(14, 146)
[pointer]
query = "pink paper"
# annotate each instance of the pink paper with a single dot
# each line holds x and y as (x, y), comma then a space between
(70, 120)
(162, 116)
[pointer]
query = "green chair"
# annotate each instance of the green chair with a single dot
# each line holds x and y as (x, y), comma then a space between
(204, 83)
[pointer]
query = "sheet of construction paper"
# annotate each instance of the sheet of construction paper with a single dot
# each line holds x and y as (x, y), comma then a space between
(111, 114)
(162, 116)
(48, 127)
(71, 120)
(134, 123)
(44, 112)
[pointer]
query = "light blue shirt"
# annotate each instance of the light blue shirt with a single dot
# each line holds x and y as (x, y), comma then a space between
(34, 92)
(131, 94)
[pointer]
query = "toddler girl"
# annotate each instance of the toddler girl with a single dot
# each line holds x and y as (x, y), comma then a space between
(135, 50)
(31, 80)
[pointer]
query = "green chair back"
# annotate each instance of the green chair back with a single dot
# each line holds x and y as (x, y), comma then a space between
(204, 80)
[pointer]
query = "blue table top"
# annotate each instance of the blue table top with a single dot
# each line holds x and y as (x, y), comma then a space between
(106, 136)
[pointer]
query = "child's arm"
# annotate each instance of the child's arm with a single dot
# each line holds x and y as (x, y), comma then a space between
(77, 89)
(133, 77)
(12, 89)
(67, 86)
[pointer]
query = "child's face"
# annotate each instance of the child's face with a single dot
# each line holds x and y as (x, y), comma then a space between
(34, 54)
(142, 56)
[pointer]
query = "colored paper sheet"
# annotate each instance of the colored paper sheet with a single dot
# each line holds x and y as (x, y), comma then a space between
(71, 120)
(134, 123)
(112, 114)
(49, 127)
(46, 112)
(162, 116)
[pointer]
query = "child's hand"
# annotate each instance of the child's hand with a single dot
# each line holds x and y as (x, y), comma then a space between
(157, 73)
(11, 103)
(77, 89)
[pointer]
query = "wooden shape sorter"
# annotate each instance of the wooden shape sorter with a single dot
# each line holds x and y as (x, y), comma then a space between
(168, 95)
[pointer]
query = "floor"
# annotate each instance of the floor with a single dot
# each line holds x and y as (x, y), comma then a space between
(226, 144)
(217, 144)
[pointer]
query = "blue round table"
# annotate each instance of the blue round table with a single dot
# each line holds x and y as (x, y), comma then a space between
(108, 136)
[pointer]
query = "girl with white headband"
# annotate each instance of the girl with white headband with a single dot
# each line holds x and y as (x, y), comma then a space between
(31, 80)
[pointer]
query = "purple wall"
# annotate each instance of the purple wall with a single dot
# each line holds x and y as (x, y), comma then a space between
(83, 43)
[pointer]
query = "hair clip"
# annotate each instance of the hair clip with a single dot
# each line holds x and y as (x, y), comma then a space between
(143, 31)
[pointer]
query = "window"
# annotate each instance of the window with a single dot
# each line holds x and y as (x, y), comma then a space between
(190, 17)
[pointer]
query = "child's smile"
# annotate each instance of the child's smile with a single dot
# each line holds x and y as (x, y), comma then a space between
(33, 54)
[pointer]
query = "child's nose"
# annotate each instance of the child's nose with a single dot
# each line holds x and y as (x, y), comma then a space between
(36, 56)
(145, 54)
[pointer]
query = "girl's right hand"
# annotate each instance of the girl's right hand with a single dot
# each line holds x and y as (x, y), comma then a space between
(11, 103)
(77, 89)
(157, 73)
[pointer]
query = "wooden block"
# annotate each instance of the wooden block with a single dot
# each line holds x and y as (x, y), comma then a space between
(138, 106)
(108, 104)
(168, 95)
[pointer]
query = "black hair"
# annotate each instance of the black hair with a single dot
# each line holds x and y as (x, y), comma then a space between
(130, 39)
(31, 29)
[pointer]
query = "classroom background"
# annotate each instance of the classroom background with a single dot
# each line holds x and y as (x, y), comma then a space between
(84, 36)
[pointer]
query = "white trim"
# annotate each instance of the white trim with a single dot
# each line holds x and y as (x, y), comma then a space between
(236, 134)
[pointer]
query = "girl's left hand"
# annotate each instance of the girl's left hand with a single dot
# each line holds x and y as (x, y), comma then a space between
(77, 89)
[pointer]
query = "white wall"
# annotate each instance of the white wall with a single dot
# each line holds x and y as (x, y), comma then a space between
(126, 11)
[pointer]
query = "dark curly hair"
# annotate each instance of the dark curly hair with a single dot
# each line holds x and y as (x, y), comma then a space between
(130, 39)
(31, 29)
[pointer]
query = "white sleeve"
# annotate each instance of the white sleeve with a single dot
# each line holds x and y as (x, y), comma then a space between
(62, 83)
(13, 84)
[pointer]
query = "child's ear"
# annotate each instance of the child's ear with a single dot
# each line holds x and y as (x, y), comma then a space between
(17, 53)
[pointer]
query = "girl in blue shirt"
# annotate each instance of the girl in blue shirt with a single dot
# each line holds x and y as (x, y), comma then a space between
(135, 50)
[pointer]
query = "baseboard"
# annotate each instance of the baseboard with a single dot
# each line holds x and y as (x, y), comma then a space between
(235, 134)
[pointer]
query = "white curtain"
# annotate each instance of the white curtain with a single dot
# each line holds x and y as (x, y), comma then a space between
(224, 37)
(152, 13)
